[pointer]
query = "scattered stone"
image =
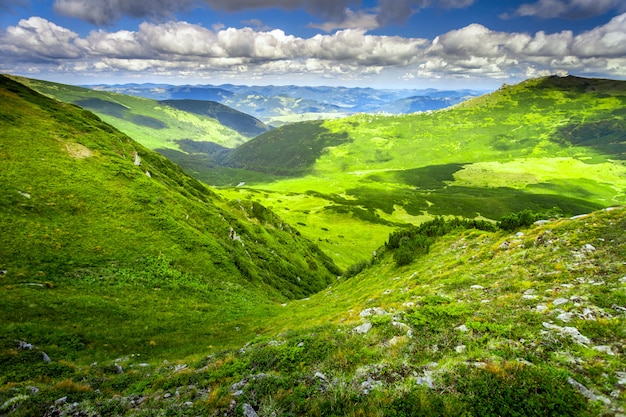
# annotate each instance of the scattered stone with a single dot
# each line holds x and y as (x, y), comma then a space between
(560, 301)
(586, 392)
(320, 375)
(248, 411)
(363, 328)
(460, 348)
(61, 401)
(188, 404)
(541, 308)
(181, 367)
(572, 332)
(301, 344)
(505, 245)
(33, 390)
(45, 357)
(119, 369)
(403, 326)
(372, 311)
(24, 345)
(426, 380)
(462, 328)
(587, 248)
(604, 349)
(477, 287)
(541, 222)
(622, 280)
(137, 160)
(565, 317)
(23, 194)
(387, 292)
(3, 272)
(369, 385)
(621, 378)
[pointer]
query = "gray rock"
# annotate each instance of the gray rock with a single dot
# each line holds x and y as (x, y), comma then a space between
(560, 301)
(604, 349)
(363, 328)
(587, 248)
(426, 379)
(565, 317)
(61, 401)
(372, 311)
(248, 411)
(119, 369)
(586, 392)
(45, 357)
(477, 287)
(320, 375)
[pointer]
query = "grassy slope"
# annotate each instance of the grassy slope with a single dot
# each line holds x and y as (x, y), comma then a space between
(151, 123)
(100, 259)
(543, 144)
(474, 328)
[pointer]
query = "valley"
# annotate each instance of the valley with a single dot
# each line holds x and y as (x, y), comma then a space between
(467, 260)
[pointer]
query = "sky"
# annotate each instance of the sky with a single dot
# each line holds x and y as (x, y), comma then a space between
(477, 44)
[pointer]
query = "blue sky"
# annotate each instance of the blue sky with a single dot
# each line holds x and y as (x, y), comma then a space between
(380, 43)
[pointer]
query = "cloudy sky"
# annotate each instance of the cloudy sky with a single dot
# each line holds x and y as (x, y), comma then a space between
(381, 43)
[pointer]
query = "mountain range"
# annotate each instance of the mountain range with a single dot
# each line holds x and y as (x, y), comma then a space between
(466, 261)
(278, 105)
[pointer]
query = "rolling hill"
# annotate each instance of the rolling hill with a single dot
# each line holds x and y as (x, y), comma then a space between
(551, 144)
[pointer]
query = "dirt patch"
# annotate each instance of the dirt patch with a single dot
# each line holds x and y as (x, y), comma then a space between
(76, 150)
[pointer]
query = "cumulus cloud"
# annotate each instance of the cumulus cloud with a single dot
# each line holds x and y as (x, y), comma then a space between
(352, 20)
(570, 9)
(179, 48)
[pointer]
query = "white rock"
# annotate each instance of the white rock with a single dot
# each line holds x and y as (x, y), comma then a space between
(560, 301)
(477, 287)
(460, 348)
(565, 317)
(363, 328)
(462, 328)
(588, 248)
(373, 311)
(541, 308)
(604, 349)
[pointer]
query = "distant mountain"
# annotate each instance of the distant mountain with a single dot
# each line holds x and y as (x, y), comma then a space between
(278, 105)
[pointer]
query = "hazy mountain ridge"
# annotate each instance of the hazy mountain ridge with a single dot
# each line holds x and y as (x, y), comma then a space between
(283, 104)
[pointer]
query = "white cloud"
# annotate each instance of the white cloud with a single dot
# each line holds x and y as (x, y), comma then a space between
(182, 48)
(352, 20)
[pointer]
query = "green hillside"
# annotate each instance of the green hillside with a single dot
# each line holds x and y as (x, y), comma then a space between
(99, 229)
(154, 124)
(551, 144)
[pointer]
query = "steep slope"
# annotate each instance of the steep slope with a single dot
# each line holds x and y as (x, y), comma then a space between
(528, 322)
(549, 144)
(96, 226)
